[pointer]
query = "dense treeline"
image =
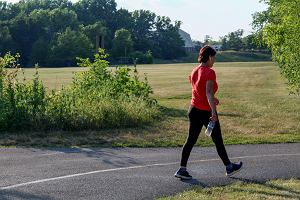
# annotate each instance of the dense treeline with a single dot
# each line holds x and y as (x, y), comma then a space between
(55, 32)
(235, 41)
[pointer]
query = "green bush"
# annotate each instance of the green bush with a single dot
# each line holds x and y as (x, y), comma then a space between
(22, 105)
(98, 98)
(143, 58)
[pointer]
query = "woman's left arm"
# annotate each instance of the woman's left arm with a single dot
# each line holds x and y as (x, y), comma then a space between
(211, 99)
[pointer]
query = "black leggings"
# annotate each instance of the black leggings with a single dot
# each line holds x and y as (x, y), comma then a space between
(198, 118)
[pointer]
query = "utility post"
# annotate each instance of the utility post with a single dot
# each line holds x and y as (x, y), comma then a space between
(99, 42)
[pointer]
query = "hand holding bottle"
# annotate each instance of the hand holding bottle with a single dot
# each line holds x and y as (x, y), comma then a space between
(213, 117)
(209, 128)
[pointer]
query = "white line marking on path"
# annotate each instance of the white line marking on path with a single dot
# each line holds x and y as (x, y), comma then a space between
(132, 167)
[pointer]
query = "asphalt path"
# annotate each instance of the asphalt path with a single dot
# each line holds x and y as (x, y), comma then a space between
(133, 173)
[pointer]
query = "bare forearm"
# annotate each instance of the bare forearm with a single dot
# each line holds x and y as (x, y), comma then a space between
(211, 98)
(211, 102)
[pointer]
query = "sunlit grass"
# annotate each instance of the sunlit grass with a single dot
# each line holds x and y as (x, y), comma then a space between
(255, 107)
(271, 190)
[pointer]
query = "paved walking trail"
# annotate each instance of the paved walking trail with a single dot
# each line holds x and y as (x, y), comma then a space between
(133, 173)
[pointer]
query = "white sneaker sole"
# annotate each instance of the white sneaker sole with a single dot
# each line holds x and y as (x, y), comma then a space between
(183, 177)
(234, 172)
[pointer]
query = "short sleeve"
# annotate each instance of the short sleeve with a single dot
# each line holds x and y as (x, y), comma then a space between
(211, 75)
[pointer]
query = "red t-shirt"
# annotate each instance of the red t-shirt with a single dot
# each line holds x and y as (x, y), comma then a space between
(198, 79)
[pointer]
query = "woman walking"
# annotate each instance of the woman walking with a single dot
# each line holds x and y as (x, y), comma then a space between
(203, 110)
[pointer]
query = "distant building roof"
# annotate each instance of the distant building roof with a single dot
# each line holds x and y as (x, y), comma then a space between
(186, 38)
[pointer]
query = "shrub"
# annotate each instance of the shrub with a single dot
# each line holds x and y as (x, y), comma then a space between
(143, 58)
(102, 98)
(22, 105)
(98, 98)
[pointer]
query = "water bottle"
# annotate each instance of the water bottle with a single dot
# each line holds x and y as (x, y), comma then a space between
(209, 128)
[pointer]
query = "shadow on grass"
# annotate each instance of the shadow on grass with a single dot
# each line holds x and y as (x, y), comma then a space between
(229, 115)
(285, 191)
(172, 112)
(194, 182)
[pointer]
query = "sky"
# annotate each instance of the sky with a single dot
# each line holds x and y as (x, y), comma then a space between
(215, 18)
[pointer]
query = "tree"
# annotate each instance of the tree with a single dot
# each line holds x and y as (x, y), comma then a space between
(207, 39)
(4, 10)
(198, 45)
(233, 40)
(6, 41)
(69, 45)
(60, 19)
(249, 43)
(34, 28)
(92, 11)
(144, 22)
(169, 43)
(122, 44)
(40, 22)
(93, 31)
(278, 27)
(40, 52)
(123, 19)
(27, 6)
(23, 35)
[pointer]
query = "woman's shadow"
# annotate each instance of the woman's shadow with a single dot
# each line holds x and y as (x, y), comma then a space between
(194, 182)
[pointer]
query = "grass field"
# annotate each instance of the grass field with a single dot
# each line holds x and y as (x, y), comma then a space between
(255, 107)
(224, 56)
(271, 190)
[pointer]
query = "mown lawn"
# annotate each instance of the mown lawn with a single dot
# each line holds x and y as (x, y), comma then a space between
(271, 190)
(255, 107)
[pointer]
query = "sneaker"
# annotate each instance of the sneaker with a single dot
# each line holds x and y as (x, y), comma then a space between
(183, 174)
(233, 168)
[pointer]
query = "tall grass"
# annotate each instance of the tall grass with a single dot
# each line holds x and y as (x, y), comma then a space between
(22, 104)
(97, 98)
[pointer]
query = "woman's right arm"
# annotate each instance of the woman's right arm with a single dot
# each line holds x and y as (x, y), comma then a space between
(211, 99)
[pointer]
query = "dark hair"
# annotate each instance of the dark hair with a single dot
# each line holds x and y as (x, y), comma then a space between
(205, 52)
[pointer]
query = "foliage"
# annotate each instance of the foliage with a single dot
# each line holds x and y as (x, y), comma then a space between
(92, 11)
(249, 42)
(122, 43)
(170, 44)
(243, 56)
(38, 27)
(144, 23)
(278, 27)
(6, 39)
(22, 104)
(98, 98)
(143, 58)
(233, 41)
(93, 30)
(254, 121)
(69, 45)
(40, 52)
(207, 39)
